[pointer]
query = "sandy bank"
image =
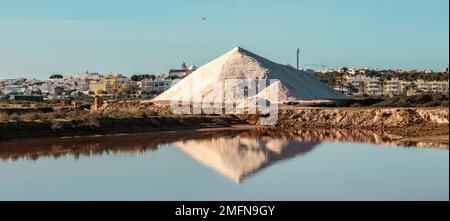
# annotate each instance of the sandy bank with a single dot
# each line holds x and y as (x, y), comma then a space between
(27, 130)
(406, 121)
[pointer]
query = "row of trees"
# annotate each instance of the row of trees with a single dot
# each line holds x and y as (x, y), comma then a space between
(56, 76)
(440, 76)
(140, 77)
(136, 77)
(336, 79)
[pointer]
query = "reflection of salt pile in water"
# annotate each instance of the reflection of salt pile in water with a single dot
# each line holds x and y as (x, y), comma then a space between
(239, 63)
(237, 158)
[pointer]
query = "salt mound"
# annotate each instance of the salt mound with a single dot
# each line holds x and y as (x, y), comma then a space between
(293, 84)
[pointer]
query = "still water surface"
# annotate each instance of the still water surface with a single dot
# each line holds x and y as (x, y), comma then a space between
(223, 166)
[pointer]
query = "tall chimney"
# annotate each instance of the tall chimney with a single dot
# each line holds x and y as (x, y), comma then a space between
(298, 53)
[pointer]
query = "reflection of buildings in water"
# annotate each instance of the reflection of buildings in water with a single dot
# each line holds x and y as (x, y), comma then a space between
(238, 157)
(269, 144)
(95, 145)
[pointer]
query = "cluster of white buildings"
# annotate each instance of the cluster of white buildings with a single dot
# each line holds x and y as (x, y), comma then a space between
(352, 71)
(88, 84)
(362, 84)
(355, 82)
(54, 87)
(365, 70)
(164, 82)
(359, 81)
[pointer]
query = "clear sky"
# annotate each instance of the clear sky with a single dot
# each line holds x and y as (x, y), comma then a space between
(38, 38)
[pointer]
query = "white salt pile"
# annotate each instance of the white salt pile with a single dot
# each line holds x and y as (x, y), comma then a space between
(293, 85)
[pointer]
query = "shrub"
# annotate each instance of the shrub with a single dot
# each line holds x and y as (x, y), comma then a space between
(421, 100)
(14, 117)
(356, 104)
(4, 116)
(30, 116)
(57, 125)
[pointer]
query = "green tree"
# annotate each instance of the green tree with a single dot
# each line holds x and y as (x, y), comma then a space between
(59, 90)
(100, 91)
(350, 87)
(362, 87)
(127, 89)
(141, 77)
(341, 83)
(412, 85)
(382, 82)
(56, 76)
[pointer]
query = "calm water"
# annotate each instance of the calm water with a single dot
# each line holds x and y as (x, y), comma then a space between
(221, 166)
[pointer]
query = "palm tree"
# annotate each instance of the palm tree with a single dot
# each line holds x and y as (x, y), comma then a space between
(362, 86)
(411, 87)
(341, 83)
(350, 87)
(59, 90)
(381, 82)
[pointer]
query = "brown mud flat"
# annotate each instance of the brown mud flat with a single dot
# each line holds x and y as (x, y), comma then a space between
(34, 149)
(410, 122)
(30, 130)
(419, 121)
(25, 110)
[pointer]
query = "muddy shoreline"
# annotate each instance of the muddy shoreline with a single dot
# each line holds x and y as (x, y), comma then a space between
(408, 123)
(32, 130)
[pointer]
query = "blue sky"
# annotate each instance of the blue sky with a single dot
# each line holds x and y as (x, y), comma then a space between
(38, 38)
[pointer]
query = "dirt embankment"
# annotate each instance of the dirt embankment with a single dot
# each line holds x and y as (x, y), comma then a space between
(411, 121)
(25, 110)
(363, 117)
(402, 121)
(17, 130)
(135, 106)
(141, 116)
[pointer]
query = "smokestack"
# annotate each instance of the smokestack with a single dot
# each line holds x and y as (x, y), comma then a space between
(298, 53)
